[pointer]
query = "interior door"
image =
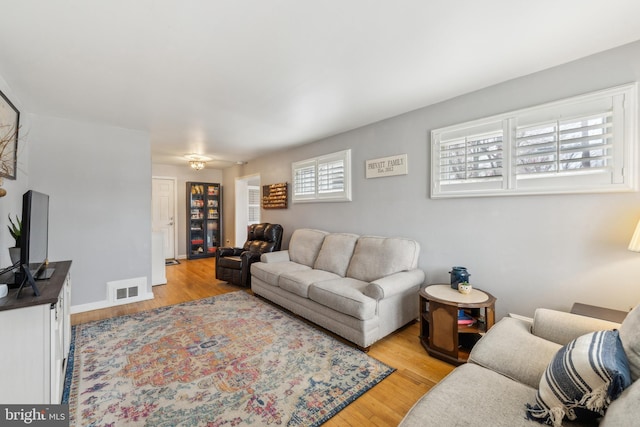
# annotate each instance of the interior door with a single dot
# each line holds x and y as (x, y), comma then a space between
(163, 212)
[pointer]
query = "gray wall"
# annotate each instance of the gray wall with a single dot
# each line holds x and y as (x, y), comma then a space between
(528, 251)
(184, 174)
(99, 182)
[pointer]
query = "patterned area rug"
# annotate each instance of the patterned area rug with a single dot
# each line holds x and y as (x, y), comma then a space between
(230, 360)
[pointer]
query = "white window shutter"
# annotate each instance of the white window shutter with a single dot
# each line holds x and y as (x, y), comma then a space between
(581, 144)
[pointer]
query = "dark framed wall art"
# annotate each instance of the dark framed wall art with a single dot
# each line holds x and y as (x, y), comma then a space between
(9, 126)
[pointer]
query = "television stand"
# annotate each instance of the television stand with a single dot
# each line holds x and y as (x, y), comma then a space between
(35, 337)
(29, 279)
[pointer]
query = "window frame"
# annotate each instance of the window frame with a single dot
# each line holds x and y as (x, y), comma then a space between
(253, 208)
(620, 174)
(314, 164)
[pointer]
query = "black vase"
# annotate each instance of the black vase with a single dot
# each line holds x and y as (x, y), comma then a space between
(458, 275)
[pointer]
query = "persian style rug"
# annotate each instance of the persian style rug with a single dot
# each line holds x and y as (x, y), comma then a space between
(229, 360)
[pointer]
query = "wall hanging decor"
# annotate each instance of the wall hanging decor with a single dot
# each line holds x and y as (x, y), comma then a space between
(387, 166)
(274, 196)
(9, 125)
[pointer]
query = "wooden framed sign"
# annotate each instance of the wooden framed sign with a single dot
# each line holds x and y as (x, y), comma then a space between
(274, 196)
(387, 166)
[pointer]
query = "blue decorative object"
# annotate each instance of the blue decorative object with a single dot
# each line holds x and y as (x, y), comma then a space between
(458, 275)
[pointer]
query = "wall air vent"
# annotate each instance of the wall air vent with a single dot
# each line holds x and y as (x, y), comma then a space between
(125, 291)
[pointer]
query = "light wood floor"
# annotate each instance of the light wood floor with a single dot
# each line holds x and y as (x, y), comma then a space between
(383, 405)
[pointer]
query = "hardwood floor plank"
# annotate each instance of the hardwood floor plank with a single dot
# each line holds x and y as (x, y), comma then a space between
(384, 405)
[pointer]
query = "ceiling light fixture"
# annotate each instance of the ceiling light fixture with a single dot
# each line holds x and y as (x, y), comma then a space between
(197, 165)
(196, 161)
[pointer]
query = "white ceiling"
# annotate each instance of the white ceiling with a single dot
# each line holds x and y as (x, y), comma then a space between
(234, 79)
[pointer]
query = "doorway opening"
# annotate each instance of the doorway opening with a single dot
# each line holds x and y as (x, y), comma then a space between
(247, 206)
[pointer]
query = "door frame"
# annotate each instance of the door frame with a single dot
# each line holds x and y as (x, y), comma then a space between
(242, 214)
(175, 213)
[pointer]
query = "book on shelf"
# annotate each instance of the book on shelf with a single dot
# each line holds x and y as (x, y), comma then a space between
(465, 319)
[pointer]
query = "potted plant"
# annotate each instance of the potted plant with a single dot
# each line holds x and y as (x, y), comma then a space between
(464, 287)
(15, 229)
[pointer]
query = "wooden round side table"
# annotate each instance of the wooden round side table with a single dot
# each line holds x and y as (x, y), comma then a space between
(451, 323)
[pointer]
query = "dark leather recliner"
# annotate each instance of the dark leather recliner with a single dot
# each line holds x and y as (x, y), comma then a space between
(233, 264)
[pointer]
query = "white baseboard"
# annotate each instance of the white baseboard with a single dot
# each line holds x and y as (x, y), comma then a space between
(106, 304)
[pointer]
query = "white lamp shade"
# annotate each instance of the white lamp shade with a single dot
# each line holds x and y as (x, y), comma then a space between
(634, 244)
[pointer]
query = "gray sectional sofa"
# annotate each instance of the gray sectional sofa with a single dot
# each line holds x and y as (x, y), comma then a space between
(506, 369)
(360, 287)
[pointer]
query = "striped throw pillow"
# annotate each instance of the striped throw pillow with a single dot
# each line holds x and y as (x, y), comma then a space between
(582, 379)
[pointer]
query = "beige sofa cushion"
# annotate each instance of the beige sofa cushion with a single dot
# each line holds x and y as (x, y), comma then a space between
(346, 296)
(336, 252)
(473, 396)
(376, 257)
(510, 340)
(630, 338)
(270, 272)
(298, 282)
(561, 327)
(305, 244)
(624, 410)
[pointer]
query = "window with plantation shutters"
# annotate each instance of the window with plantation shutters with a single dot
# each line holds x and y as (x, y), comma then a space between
(331, 177)
(476, 157)
(324, 178)
(578, 145)
(582, 144)
(253, 204)
(304, 179)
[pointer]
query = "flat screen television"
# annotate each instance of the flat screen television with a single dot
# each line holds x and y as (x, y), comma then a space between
(34, 241)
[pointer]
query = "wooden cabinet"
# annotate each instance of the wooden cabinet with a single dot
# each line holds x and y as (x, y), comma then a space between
(451, 323)
(35, 333)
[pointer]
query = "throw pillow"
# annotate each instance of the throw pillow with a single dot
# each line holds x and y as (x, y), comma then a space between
(582, 379)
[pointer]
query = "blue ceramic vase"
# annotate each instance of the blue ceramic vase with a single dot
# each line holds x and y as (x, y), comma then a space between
(458, 275)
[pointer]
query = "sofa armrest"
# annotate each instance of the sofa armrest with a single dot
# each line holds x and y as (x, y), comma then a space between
(277, 256)
(510, 349)
(228, 251)
(249, 257)
(561, 327)
(393, 284)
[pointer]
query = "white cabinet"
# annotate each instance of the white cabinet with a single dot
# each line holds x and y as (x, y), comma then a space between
(35, 336)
